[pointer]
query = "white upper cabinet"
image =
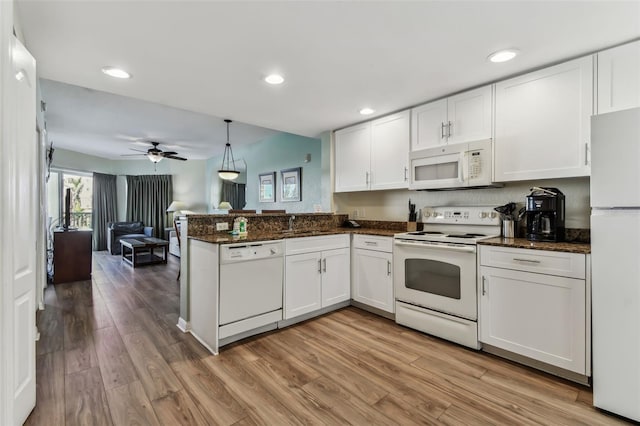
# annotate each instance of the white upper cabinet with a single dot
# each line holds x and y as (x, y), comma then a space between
(461, 118)
(542, 123)
(373, 155)
(429, 125)
(353, 152)
(619, 78)
(469, 116)
(390, 151)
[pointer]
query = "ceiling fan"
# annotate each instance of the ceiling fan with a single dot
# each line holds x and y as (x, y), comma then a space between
(155, 154)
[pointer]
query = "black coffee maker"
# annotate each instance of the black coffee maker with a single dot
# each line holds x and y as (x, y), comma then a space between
(545, 214)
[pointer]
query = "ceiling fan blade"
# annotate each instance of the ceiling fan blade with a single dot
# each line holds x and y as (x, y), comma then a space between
(137, 150)
(173, 157)
(168, 153)
(133, 155)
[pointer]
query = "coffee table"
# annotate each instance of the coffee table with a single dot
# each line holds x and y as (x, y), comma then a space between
(140, 251)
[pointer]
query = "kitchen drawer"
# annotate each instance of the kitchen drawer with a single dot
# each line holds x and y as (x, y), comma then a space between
(313, 244)
(372, 242)
(571, 265)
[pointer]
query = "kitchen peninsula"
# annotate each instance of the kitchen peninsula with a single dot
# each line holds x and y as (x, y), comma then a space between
(317, 278)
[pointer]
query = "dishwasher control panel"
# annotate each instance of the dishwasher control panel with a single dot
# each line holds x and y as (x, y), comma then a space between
(250, 251)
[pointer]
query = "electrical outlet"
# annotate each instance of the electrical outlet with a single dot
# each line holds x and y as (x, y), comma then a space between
(362, 212)
(354, 214)
(222, 226)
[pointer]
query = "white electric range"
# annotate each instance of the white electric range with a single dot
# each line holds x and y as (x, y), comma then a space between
(435, 272)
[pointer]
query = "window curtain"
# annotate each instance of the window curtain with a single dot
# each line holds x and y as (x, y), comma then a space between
(234, 193)
(148, 197)
(104, 208)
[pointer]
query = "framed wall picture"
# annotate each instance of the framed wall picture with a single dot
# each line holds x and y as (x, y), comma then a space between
(267, 192)
(291, 184)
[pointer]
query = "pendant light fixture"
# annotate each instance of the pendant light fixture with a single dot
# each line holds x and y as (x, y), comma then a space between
(228, 169)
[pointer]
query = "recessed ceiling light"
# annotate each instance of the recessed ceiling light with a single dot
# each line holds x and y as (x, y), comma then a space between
(367, 111)
(503, 55)
(274, 79)
(116, 72)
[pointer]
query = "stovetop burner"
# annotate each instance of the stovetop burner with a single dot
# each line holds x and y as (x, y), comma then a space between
(459, 225)
(467, 235)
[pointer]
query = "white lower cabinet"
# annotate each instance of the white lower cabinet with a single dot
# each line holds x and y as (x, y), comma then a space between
(372, 274)
(303, 284)
(535, 315)
(317, 274)
(335, 277)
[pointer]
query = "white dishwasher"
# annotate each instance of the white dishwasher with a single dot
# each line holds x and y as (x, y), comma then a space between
(251, 280)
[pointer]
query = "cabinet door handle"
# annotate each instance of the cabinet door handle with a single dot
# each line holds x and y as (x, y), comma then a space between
(449, 126)
(442, 132)
(366, 178)
(371, 243)
(525, 260)
(586, 154)
(405, 174)
(324, 265)
(484, 291)
(388, 267)
(319, 266)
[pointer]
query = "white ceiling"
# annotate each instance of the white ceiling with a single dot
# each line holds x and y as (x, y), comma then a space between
(109, 126)
(210, 56)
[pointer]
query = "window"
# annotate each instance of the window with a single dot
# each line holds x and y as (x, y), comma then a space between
(81, 185)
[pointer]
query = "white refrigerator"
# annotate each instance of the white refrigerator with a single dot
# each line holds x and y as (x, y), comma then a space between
(615, 261)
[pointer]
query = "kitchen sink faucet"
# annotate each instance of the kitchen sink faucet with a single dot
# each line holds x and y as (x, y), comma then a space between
(291, 219)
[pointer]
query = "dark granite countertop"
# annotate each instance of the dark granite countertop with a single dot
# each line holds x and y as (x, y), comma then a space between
(581, 248)
(269, 236)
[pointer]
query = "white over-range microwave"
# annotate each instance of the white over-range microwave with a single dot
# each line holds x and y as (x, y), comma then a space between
(461, 165)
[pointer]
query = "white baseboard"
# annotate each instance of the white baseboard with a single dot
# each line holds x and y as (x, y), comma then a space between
(183, 325)
(203, 343)
(287, 322)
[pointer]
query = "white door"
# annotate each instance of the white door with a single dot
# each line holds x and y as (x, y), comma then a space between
(542, 123)
(429, 125)
(619, 78)
(19, 229)
(615, 175)
(538, 316)
(352, 158)
(336, 277)
(390, 151)
(302, 284)
(615, 250)
(469, 115)
(372, 276)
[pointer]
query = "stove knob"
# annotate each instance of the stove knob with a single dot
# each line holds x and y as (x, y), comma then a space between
(493, 215)
(426, 214)
(482, 215)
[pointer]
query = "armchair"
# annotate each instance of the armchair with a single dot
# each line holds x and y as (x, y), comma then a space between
(119, 230)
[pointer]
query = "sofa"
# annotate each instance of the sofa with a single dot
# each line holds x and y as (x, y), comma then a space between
(119, 230)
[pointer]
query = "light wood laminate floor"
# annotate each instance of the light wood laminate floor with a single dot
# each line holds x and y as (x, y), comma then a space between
(110, 353)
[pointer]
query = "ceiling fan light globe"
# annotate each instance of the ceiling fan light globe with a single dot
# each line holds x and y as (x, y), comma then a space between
(228, 174)
(155, 158)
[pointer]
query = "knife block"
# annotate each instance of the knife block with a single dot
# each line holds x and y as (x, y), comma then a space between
(412, 226)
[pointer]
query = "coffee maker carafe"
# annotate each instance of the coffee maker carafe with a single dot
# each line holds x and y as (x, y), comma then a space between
(545, 214)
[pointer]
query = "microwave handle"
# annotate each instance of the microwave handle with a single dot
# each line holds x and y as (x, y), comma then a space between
(463, 164)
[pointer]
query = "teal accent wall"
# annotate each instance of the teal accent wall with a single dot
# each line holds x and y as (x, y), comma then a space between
(279, 152)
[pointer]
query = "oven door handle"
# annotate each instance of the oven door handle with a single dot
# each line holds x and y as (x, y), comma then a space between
(466, 249)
